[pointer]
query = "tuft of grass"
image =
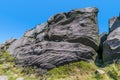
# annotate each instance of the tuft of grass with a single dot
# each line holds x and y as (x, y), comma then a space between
(73, 71)
(113, 71)
(5, 57)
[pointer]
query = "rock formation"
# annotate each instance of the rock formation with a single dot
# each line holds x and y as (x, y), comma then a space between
(64, 38)
(5, 45)
(111, 47)
(114, 23)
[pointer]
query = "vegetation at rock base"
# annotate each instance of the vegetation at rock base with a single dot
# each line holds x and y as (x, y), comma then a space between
(73, 71)
(8, 68)
(85, 71)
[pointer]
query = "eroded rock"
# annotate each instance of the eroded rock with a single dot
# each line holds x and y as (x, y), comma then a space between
(111, 48)
(79, 26)
(5, 45)
(53, 54)
(114, 23)
(65, 38)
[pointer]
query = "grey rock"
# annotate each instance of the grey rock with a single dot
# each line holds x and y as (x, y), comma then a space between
(19, 43)
(57, 18)
(53, 54)
(87, 10)
(103, 37)
(30, 37)
(79, 26)
(111, 48)
(5, 45)
(114, 23)
(66, 37)
(99, 71)
(20, 78)
(35, 31)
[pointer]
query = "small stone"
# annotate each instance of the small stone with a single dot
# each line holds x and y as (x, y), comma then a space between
(15, 75)
(3, 77)
(20, 78)
(98, 71)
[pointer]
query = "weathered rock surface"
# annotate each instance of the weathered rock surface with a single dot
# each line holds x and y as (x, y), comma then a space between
(52, 54)
(77, 26)
(65, 38)
(30, 37)
(6, 44)
(114, 23)
(111, 46)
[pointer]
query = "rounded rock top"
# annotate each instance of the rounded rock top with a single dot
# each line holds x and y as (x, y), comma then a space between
(87, 9)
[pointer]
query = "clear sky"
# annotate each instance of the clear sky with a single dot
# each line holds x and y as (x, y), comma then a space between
(17, 16)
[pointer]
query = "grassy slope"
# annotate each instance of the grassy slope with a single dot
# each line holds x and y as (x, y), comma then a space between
(73, 71)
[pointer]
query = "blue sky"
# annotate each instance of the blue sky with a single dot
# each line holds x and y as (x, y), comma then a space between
(17, 16)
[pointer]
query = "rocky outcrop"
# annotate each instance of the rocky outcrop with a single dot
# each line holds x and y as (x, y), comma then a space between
(77, 26)
(111, 52)
(5, 45)
(30, 37)
(114, 23)
(65, 38)
(53, 54)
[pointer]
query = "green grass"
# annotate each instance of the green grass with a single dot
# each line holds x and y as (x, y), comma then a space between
(84, 71)
(73, 71)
